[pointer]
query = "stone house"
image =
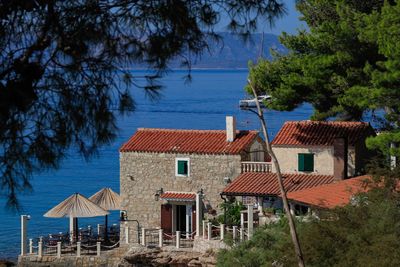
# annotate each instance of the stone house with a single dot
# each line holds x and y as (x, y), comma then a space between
(169, 177)
(310, 154)
(319, 147)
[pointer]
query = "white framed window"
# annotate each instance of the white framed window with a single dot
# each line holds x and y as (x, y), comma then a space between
(182, 167)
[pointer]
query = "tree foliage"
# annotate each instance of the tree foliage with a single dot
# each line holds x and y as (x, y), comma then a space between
(346, 64)
(64, 69)
(364, 233)
(231, 214)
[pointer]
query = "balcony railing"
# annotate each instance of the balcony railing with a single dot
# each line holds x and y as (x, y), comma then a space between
(252, 166)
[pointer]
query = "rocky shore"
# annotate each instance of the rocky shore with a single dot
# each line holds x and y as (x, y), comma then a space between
(6, 263)
(139, 256)
(136, 256)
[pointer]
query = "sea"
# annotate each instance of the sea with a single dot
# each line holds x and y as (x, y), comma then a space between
(202, 103)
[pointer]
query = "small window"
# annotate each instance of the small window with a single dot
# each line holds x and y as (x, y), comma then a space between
(306, 162)
(182, 167)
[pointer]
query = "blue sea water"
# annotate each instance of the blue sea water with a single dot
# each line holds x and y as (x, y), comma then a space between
(201, 104)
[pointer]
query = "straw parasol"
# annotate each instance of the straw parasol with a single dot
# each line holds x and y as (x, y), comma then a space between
(108, 200)
(76, 206)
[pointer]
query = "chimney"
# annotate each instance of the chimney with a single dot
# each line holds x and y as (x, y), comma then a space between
(340, 153)
(230, 128)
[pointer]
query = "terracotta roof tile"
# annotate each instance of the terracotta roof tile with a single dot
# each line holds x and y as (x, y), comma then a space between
(331, 195)
(187, 141)
(259, 183)
(321, 133)
(178, 196)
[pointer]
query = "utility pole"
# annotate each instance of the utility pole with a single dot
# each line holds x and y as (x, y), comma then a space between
(293, 232)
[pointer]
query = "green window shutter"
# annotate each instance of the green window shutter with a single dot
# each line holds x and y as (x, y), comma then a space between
(306, 162)
(309, 162)
(182, 167)
(301, 162)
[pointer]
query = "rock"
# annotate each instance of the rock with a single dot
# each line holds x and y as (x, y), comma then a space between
(181, 259)
(6, 263)
(194, 263)
(161, 261)
(167, 257)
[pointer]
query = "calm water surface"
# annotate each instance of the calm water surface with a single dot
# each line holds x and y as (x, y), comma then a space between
(202, 104)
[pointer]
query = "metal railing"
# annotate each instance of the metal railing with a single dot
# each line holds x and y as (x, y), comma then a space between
(88, 243)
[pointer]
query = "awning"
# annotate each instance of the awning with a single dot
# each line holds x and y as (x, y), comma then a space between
(178, 196)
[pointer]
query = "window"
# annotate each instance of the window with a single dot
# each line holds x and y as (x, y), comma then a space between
(306, 162)
(182, 167)
(249, 200)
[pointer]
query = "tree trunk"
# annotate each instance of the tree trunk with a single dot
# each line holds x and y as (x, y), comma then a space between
(292, 226)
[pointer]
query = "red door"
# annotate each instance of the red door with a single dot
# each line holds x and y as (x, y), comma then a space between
(166, 218)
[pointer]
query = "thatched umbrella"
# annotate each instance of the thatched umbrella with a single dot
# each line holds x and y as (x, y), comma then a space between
(76, 206)
(108, 200)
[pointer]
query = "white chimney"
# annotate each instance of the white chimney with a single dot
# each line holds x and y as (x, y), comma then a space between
(230, 128)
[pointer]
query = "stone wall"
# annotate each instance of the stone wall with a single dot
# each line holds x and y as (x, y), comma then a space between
(323, 159)
(142, 174)
(112, 258)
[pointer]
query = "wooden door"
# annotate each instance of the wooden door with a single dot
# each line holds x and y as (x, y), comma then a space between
(166, 218)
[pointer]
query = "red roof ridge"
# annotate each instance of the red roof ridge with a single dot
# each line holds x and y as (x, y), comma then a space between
(328, 122)
(190, 130)
(321, 133)
(179, 192)
(187, 141)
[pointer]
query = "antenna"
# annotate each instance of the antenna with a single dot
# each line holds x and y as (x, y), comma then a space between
(261, 55)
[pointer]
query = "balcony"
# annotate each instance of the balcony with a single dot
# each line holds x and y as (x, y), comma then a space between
(252, 166)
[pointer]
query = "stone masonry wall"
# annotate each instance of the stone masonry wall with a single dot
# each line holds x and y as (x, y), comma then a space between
(323, 159)
(142, 174)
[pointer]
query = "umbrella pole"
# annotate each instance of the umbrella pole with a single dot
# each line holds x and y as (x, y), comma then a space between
(106, 230)
(76, 229)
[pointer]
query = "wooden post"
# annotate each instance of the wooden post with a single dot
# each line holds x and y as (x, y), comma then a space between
(222, 231)
(72, 228)
(234, 230)
(98, 248)
(78, 249)
(160, 238)
(58, 249)
(178, 239)
(24, 230)
(209, 225)
(241, 234)
(126, 233)
(30, 246)
(204, 228)
(40, 249)
(143, 236)
(242, 220)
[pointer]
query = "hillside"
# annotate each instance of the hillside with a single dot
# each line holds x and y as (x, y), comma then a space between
(232, 52)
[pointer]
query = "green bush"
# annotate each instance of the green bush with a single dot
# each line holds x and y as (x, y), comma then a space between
(232, 213)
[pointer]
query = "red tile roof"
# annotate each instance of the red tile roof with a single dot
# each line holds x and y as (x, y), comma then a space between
(178, 196)
(321, 133)
(187, 141)
(261, 183)
(331, 195)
